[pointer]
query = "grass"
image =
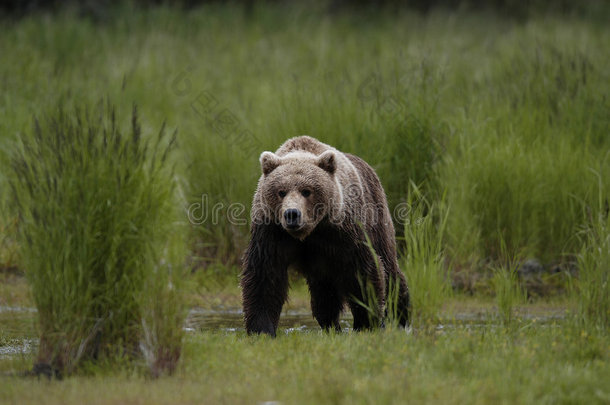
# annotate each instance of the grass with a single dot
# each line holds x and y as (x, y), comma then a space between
(536, 361)
(94, 206)
(504, 118)
(501, 123)
(509, 293)
(423, 256)
(535, 365)
(593, 285)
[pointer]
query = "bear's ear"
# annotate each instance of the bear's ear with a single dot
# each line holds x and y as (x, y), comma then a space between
(327, 161)
(269, 161)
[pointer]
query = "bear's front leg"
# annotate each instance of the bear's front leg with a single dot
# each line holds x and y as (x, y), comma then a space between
(326, 304)
(264, 281)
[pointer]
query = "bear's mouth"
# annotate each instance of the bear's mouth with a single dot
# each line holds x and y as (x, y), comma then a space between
(296, 231)
(293, 227)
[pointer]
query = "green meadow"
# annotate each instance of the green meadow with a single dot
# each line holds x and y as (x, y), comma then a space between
(490, 134)
(535, 365)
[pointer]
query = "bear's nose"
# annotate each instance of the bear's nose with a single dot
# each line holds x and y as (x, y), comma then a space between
(292, 217)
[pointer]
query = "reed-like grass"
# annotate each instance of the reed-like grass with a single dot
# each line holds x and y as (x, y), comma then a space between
(96, 208)
(593, 285)
(423, 257)
(508, 292)
(523, 165)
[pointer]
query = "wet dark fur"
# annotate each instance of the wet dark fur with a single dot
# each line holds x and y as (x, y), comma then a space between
(335, 259)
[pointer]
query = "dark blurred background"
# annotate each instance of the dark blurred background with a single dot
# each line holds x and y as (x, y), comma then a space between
(509, 8)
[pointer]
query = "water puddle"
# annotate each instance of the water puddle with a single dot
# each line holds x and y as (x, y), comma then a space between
(200, 319)
(17, 347)
(18, 325)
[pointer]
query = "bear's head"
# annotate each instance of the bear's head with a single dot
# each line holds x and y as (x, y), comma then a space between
(299, 189)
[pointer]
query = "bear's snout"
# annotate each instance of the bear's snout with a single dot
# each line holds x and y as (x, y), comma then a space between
(292, 216)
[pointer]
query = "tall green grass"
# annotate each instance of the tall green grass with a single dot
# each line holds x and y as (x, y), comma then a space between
(423, 257)
(8, 245)
(507, 289)
(528, 196)
(96, 207)
(593, 284)
(507, 117)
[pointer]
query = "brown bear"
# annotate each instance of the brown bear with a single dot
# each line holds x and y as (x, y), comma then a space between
(323, 213)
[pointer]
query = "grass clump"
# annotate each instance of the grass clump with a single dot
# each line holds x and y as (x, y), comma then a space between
(508, 291)
(423, 258)
(96, 208)
(594, 269)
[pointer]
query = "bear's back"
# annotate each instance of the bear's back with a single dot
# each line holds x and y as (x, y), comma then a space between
(303, 143)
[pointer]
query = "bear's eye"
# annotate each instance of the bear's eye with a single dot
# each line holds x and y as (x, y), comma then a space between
(306, 193)
(282, 194)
